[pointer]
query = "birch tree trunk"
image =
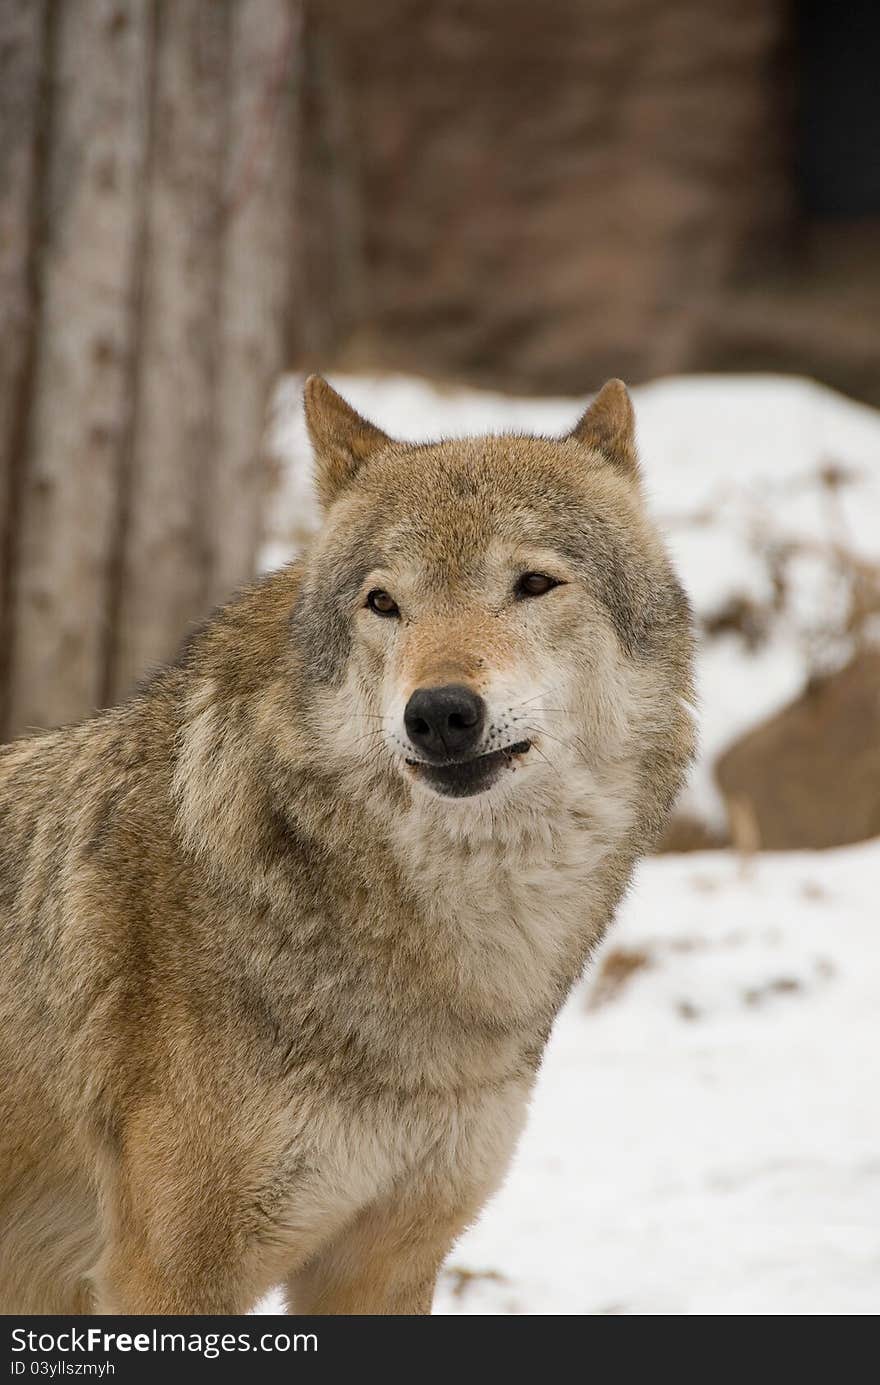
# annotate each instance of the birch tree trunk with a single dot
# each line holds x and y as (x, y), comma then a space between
(23, 91)
(148, 154)
(96, 129)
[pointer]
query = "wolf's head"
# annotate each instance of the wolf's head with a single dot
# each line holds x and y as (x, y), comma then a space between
(483, 619)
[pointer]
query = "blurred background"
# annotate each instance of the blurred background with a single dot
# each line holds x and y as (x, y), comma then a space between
(470, 213)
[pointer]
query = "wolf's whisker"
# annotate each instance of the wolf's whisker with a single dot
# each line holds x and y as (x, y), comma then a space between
(540, 731)
(540, 710)
(376, 756)
(527, 704)
(527, 700)
(547, 761)
(576, 742)
(366, 736)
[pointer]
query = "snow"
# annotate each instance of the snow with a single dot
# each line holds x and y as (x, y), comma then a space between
(705, 1132)
(707, 1141)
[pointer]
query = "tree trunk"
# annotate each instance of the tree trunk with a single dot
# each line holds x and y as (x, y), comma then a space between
(163, 567)
(257, 279)
(148, 157)
(96, 130)
(23, 41)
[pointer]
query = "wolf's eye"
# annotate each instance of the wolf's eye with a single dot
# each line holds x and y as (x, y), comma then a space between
(383, 604)
(535, 584)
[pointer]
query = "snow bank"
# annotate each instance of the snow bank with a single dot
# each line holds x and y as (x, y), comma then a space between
(707, 1141)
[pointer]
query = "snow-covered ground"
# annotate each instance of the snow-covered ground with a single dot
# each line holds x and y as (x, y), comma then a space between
(706, 1139)
(705, 1134)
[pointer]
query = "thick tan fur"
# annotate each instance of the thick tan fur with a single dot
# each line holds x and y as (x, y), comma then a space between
(270, 1007)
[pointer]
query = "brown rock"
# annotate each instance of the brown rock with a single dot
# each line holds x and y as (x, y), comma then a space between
(810, 775)
(684, 832)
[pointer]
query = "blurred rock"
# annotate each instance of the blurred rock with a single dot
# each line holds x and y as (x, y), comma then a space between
(685, 832)
(810, 775)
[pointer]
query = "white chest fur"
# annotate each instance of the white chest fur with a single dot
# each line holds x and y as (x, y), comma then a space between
(342, 1157)
(512, 888)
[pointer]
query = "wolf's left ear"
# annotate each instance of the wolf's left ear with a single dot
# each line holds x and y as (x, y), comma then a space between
(341, 439)
(609, 426)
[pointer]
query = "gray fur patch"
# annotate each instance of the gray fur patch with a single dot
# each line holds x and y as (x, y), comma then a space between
(322, 615)
(641, 601)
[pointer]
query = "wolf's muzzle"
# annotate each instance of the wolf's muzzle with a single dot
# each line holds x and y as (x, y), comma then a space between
(445, 723)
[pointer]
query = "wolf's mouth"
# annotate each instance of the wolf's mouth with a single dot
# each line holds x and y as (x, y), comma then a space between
(462, 778)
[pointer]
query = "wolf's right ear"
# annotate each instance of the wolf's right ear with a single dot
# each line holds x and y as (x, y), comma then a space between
(341, 439)
(609, 426)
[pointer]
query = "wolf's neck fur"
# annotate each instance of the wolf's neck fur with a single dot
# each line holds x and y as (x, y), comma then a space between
(522, 888)
(503, 896)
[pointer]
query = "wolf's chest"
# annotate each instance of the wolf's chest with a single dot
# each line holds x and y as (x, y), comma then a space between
(345, 1155)
(515, 924)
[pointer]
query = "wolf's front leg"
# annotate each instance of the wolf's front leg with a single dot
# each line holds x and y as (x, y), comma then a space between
(152, 1266)
(387, 1261)
(131, 1282)
(174, 1234)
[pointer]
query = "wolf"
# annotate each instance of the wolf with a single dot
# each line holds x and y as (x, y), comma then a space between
(284, 935)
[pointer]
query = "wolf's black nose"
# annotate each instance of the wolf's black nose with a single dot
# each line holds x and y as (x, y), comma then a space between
(445, 723)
